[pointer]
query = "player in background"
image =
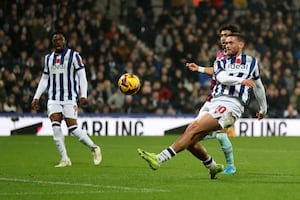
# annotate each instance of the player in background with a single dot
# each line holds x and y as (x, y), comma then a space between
(63, 75)
(220, 135)
(236, 78)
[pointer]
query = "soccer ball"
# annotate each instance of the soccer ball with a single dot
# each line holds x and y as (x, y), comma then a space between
(129, 84)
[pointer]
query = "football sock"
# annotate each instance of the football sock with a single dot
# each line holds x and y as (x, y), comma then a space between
(59, 140)
(212, 135)
(166, 154)
(209, 163)
(82, 136)
(226, 147)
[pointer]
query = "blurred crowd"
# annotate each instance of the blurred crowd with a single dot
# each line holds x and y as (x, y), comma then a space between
(153, 45)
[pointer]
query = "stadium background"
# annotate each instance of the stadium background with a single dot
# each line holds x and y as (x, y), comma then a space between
(268, 167)
(153, 39)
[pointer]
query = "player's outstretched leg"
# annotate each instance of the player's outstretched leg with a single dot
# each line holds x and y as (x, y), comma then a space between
(151, 158)
(154, 160)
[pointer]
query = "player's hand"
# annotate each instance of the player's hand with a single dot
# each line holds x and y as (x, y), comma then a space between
(249, 83)
(259, 115)
(35, 104)
(83, 101)
(192, 66)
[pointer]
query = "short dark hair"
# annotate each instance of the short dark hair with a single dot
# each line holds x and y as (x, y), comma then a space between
(240, 36)
(230, 27)
(60, 33)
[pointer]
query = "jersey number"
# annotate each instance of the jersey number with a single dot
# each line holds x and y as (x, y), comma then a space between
(220, 109)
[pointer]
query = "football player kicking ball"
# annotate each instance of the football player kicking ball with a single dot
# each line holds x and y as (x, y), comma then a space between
(220, 135)
(236, 78)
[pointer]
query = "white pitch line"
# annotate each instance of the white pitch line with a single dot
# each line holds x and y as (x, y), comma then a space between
(111, 187)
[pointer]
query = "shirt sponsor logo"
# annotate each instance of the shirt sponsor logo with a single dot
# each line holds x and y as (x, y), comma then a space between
(237, 68)
(57, 69)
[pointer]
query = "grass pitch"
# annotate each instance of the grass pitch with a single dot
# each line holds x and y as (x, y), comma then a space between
(267, 168)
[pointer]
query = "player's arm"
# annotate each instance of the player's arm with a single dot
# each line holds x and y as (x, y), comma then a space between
(260, 95)
(40, 89)
(83, 86)
(226, 79)
(82, 80)
(196, 68)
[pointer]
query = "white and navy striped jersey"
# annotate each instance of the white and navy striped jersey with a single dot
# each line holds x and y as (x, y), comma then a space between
(243, 66)
(62, 71)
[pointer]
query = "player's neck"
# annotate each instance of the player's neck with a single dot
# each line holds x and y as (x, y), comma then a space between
(237, 55)
(59, 51)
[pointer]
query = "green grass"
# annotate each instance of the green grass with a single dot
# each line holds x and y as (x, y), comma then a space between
(268, 168)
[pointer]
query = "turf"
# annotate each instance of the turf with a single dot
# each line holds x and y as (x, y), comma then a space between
(268, 168)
